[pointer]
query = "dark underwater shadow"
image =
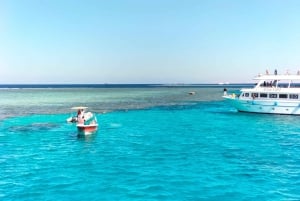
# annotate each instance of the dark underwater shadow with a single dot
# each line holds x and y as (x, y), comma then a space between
(33, 128)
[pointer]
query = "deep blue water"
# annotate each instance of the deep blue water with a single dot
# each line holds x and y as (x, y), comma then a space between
(43, 86)
(200, 151)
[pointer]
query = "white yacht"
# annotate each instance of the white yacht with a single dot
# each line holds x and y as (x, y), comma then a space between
(275, 94)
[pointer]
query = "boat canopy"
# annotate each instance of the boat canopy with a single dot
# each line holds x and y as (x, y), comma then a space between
(79, 108)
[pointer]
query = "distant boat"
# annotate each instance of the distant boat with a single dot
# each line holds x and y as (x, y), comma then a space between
(222, 83)
(273, 94)
(86, 122)
(192, 93)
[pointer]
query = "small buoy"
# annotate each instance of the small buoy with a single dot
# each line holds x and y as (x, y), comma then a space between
(192, 93)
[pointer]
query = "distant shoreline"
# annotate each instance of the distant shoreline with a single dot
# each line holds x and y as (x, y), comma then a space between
(42, 86)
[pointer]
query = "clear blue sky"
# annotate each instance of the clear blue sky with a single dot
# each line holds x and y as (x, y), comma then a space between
(146, 41)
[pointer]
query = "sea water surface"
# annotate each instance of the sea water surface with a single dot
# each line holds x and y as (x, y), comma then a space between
(153, 143)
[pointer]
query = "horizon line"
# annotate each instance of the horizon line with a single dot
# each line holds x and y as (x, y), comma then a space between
(234, 83)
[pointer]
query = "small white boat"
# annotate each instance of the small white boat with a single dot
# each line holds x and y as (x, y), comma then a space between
(273, 94)
(86, 122)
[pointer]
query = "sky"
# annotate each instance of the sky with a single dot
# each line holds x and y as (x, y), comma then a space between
(146, 41)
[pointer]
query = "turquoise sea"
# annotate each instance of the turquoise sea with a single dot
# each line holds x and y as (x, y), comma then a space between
(154, 143)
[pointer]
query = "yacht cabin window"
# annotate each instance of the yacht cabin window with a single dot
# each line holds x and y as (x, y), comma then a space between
(273, 95)
(294, 96)
(283, 95)
(263, 95)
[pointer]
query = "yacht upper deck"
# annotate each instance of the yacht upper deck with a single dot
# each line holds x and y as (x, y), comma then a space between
(278, 77)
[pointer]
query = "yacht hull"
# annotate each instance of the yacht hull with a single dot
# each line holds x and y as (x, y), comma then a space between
(265, 106)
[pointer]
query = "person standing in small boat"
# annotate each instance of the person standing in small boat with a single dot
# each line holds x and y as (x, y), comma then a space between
(225, 92)
(80, 116)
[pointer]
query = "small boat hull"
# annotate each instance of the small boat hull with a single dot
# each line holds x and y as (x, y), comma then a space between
(87, 129)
